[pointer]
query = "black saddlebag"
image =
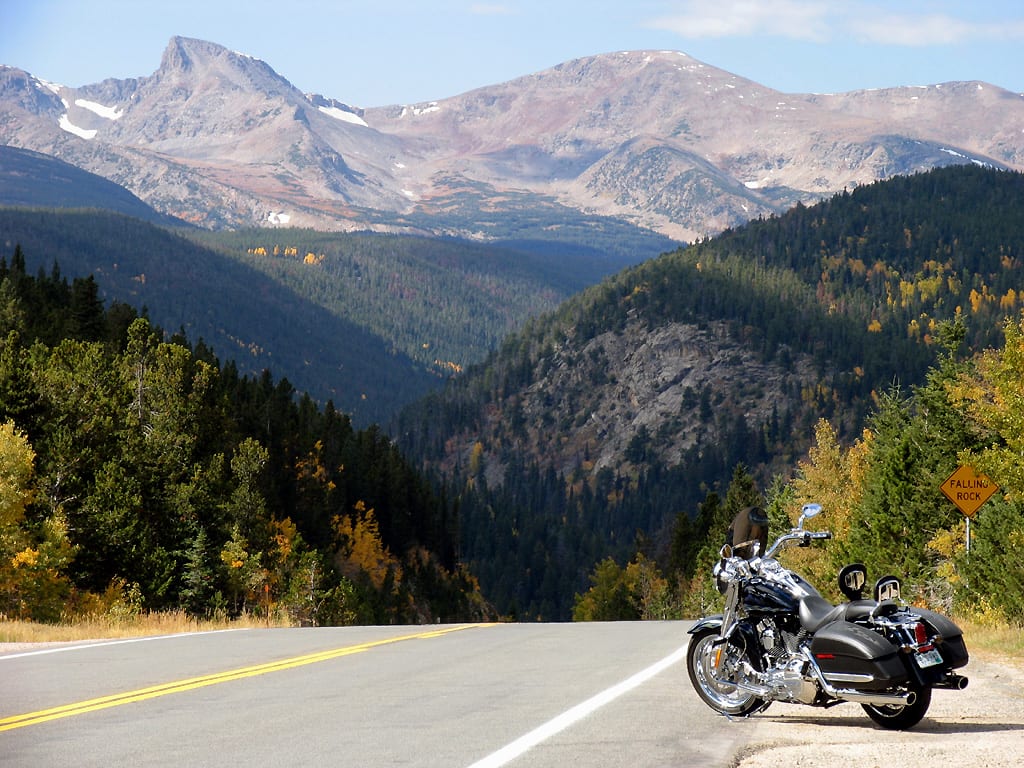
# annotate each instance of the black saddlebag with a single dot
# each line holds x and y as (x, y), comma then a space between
(851, 656)
(953, 648)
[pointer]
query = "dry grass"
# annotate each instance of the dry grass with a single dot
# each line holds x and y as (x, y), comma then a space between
(984, 640)
(994, 642)
(104, 628)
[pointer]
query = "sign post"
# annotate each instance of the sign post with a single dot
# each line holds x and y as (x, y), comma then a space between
(968, 490)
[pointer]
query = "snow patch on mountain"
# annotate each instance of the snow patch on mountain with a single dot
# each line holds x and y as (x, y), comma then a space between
(417, 111)
(46, 85)
(343, 115)
(82, 133)
(110, 113)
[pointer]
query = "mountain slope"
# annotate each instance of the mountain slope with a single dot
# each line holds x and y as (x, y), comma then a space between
(243, 315)
(370, 321)
(657, 139)
(636, 398)
(34, 180)
(445, 303)
(844, 296)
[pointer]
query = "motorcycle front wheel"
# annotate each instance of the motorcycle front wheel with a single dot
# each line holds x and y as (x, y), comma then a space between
(901, 718)
(710, 665)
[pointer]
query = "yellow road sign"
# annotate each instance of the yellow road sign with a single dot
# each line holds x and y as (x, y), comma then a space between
(968, 489)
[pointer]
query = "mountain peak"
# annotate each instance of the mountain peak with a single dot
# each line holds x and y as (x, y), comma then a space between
(193, 59)
(653, 137)
(181, 52)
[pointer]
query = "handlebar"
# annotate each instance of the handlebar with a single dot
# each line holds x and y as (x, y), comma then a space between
(804, 537)
(731, 568)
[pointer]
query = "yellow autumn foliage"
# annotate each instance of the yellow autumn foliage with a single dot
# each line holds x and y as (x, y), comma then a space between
(16, 460)
(360, 549)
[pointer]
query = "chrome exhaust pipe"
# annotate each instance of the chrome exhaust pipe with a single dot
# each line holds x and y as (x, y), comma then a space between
(761, 691)
(877, 699)
(860, 697)
(952, 682)
(846, 694)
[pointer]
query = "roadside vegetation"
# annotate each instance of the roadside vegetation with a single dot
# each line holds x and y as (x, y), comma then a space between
(110, 628)
(882, 501)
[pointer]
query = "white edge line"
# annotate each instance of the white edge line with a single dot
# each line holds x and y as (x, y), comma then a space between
(64, 648)
(557, 724)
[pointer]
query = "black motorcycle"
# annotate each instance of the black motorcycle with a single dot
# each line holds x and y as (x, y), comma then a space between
(778, 639)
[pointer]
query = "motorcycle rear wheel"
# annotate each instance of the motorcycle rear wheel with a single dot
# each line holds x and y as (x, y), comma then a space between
(714, 691)
(901, 718)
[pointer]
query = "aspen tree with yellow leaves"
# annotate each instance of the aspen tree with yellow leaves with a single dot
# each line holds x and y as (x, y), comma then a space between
(361, 553)
(32, 585)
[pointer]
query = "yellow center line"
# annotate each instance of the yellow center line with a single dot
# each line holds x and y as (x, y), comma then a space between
(117, 699)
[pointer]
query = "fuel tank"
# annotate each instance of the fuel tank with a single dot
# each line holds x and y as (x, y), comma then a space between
(768, 597)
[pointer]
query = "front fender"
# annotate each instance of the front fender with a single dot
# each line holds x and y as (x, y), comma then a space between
(708, 622)
(742, 636)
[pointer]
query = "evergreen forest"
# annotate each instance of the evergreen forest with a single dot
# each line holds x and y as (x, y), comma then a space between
(138, 472)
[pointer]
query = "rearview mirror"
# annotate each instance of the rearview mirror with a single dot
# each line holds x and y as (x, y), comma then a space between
(807, 512)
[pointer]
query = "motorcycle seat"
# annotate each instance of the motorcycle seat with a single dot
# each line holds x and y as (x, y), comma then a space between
(858, 609)
(815, 612)
(862, 609)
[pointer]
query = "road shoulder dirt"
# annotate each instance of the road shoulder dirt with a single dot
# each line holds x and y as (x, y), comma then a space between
(980, 727)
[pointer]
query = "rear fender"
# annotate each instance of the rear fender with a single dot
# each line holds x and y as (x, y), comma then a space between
(952, 646)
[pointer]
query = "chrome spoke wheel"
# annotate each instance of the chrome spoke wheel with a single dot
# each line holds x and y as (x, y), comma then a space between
(711, 666)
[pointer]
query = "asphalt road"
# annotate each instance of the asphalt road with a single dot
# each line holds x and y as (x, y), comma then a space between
(534, 695)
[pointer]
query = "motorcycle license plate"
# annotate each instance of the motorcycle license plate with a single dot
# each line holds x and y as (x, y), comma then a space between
(928, 658)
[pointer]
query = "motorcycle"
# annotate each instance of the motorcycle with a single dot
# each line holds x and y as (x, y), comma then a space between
(779, 640)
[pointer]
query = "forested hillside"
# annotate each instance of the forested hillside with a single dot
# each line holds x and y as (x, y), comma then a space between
(443, 303)
(242, 314)
(371, 322)
(567, 443)
(138, 472)
(831, 354)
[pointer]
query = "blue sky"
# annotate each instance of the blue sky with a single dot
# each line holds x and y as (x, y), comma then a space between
(378, 52)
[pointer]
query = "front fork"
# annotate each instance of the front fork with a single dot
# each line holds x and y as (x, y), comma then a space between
(729, 623)
(729, 612)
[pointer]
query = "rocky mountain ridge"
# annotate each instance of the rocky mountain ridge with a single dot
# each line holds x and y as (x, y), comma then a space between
(656, 138)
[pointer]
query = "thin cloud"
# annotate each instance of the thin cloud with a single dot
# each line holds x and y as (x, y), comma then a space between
(936, 29)
(823, 21)
(747, 18)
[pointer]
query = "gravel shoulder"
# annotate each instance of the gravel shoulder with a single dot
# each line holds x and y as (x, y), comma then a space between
(980, 727)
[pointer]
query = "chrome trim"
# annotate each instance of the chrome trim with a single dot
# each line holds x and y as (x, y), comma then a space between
(858, 697)
(843, 677)
(878, 699)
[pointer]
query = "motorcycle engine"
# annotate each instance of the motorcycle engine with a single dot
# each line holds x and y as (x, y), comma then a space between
(785, 666)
